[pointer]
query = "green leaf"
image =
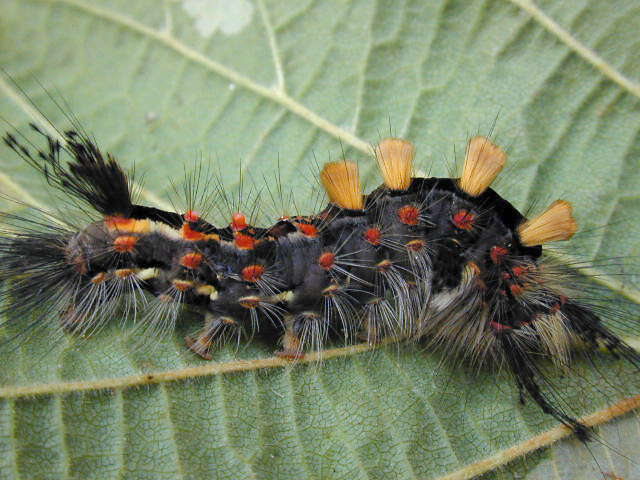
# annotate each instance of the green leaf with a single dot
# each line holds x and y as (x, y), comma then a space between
(258, 86)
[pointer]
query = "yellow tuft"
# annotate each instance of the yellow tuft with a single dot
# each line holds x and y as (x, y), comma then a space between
(342, 183)
(395, 158)
(555, 223)
(482, 163)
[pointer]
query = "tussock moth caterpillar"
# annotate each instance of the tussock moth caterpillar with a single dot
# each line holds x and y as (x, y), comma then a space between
(446, 262)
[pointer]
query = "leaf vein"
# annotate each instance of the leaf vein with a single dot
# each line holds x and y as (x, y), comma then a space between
(581, 50)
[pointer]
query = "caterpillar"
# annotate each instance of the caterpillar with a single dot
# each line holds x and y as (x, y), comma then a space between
(446, 262)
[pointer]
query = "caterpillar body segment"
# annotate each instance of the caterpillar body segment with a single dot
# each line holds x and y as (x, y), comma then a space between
(445, 261)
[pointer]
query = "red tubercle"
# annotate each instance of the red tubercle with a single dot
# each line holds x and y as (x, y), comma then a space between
(497, 254)
(409, 215)
(191, 216)
(464, 219)
(125, 243)
(499, 327)
(327, 260)
(516, 290)
(238, 222)
(245, 242)
(252, 273)
(517, 271)
(307, 229)
(191, 260)
(373, 235)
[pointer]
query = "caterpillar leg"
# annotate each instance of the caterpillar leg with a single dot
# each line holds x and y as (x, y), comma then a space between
(217, 330)
(305, 329)
(93, 304)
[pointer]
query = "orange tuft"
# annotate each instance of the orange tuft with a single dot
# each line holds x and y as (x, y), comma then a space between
(395, 159)
(342, 183)
(555, 223)
(483, 162)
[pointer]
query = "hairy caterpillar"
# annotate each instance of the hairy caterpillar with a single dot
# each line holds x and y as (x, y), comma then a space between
(446, 261)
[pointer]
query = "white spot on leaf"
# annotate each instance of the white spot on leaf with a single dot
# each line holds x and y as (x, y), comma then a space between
(230, 16)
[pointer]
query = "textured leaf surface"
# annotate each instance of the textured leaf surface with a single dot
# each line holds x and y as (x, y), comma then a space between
(274, 85)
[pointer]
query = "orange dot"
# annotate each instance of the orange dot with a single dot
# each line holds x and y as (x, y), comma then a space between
(191, 216)
(249, 302)
(327, 260)
(124, 272)
(384, 265)
(182, 285)
(373, 235)
(238, 222)
(191, 260)
(415, 245)
(252, 273)
(463, 219)
(497, 253)
(516, 289)
(125, 243)
(409, 215)
(99, 278)
(307, 229)
(245, 242)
